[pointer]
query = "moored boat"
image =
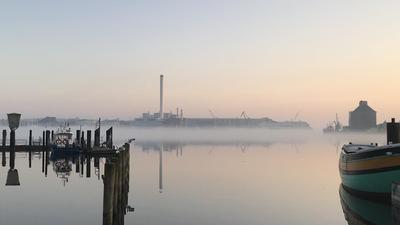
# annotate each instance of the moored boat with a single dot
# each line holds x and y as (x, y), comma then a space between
(370, 169)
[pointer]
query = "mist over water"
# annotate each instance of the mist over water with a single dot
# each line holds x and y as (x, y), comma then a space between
(197, 176)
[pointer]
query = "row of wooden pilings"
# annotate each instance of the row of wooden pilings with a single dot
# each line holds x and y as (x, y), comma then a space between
(48, 137)
(116, 187)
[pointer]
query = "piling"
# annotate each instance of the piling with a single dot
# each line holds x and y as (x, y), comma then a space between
(97, 137)
(88, 166)
(30, 149)
(89, 140)
(393, 132)
(77, 163)
(3, 153)
(47, 151)
(12, 149)
(52, 136)
(109, 138)
(82, 159)
(78, 137)
(83, 139)
(116, 188)
(44, 138)
(108, 203)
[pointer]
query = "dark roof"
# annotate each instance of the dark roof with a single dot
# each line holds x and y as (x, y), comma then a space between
(363, 107)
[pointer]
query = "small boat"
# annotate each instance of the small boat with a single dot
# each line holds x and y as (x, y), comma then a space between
(63, 144)
(369, 170)
(63, 137)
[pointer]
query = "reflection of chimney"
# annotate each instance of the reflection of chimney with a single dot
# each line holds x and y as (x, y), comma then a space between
(160, 178)
(161, 96)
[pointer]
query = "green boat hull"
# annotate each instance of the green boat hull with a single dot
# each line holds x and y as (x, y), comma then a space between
(379, 182)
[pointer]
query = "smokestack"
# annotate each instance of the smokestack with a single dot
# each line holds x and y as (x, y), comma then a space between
(161, 96)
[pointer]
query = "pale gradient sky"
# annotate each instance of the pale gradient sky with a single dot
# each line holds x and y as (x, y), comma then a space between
(270, 58)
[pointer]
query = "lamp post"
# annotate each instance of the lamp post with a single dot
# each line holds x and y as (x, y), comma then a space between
(12, 175)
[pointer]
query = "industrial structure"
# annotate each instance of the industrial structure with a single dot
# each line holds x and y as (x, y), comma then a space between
(362, 118)
(171, 119)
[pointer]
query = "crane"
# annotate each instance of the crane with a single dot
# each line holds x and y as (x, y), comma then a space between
(244, 115)
(212, 114)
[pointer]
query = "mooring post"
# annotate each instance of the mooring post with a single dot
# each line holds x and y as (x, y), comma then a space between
(83, 140)
(109, 138)
(77, 163)
(116, 189)
(12, 149)
(30, 149)
(82, 164)
(44, 138)
(47, 150)
(78, 137)
(108, 193)
(89, 140)
(88, 166)
(393, 132)
(97, 137)
(3, 154)
(30, 139)
(52, 135)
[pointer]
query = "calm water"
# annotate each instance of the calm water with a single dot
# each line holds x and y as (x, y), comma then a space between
(193, 177)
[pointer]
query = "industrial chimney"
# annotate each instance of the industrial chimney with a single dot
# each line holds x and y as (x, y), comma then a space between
(161, 96)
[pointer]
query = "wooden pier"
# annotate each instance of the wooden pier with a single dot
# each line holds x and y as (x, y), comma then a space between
(44, 143)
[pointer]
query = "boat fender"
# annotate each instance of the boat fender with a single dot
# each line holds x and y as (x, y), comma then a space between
(58, 141)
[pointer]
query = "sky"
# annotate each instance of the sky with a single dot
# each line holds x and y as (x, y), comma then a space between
(269, 58)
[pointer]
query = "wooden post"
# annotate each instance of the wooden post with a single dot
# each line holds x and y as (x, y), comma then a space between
(89, 140)
(97, 137)
(3, 154)
(30, 149)
(83, 140)
(44, 138)
(12, 149)
(78, 137)
(52, 136)
(88, 166)
(82, 164)
(109, 138)
(30, 138)
(108, 193)
(77, 163)
(4, 137)
(47, 150)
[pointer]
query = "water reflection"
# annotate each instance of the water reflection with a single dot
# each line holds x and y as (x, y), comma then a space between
(359, 210)
(115, 178)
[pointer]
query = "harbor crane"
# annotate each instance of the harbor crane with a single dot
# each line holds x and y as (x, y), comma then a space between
(212, 114)
(244, 115)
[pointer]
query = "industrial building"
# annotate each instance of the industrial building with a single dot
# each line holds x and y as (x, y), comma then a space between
(363, 117)
(172, 119)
